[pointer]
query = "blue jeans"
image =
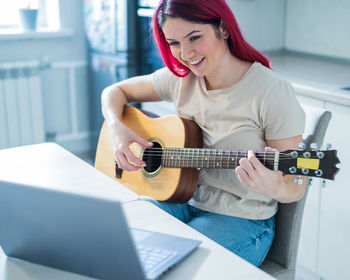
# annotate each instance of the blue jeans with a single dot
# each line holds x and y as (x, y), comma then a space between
(249, 239)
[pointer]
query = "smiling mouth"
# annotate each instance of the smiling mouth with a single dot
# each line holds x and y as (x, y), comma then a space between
(195, 62)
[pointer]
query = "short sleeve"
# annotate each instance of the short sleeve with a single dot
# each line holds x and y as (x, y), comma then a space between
(165, 84)
(282, 115)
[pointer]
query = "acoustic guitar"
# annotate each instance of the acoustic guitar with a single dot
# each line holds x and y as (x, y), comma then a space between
(174, 162)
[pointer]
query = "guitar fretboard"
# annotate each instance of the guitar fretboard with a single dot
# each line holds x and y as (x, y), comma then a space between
(213, 158)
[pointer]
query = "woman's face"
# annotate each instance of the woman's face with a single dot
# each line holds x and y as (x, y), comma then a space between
(195, 45)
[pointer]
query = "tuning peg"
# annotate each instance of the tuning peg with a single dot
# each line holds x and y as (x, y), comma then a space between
(301, 146)
(320, 155)
(314, 146)
(305, 171)
(294, 154)
(307, 154)
(328, 146)
(292, 169)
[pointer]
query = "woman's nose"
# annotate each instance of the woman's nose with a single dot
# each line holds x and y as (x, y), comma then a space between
(185, 52)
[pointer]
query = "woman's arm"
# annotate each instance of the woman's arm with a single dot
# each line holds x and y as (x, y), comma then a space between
(113, 99)
(256, 177)
(136, 89)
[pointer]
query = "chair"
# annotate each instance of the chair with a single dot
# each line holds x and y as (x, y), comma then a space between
(280, 262)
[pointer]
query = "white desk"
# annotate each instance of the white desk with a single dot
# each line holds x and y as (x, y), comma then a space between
(50, 165)
(53, 166)
(209, 261)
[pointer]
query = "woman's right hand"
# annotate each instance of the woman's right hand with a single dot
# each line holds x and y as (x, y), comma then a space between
(122, 137)
(113, 99)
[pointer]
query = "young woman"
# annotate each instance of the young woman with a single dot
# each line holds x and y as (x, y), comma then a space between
(217, 79)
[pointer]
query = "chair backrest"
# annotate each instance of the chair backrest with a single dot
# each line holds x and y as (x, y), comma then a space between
(284, 248)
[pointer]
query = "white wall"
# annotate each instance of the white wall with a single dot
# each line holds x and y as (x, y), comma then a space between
(262, 22)
(55, 82)
(319, 27)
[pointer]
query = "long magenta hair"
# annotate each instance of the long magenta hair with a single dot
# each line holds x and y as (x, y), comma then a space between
(206, 12)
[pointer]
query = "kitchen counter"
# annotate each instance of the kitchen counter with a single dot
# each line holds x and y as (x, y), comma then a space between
(316, 77)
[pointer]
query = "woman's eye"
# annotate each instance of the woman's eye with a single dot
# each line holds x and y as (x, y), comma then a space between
(173, 43)
(194, 38)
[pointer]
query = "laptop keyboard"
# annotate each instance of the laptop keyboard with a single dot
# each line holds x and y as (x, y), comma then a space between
(152, 258)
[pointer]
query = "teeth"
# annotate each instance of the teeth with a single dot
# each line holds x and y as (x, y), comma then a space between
(196, 61)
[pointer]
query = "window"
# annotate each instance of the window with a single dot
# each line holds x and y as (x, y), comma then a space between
(48, 16)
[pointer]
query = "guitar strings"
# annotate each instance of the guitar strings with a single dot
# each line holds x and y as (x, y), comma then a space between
(207, 150)
(170, 149)
(161, 152)
(210, 157)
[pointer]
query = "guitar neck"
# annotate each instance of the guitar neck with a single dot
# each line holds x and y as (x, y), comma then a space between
(213, 158)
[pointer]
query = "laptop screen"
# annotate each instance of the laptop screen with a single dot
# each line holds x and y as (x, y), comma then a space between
(76, 233)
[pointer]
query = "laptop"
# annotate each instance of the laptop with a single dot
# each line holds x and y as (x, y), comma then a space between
(82, 234)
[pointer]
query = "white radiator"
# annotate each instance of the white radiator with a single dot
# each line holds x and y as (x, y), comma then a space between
(21, 111)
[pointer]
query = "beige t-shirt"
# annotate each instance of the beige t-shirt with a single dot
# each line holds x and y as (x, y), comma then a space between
(260, 107)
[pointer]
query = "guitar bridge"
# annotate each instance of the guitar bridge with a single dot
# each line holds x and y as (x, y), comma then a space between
(118, 171)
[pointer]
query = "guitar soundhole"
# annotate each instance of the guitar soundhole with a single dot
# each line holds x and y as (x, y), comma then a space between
(152, 157)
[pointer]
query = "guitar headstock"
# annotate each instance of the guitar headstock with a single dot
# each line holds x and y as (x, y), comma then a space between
(320, 164)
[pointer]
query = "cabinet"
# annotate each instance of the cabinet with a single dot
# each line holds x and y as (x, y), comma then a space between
(324, 248)
(334, 245)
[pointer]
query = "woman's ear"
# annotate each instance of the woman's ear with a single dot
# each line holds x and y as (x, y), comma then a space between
(223, 30)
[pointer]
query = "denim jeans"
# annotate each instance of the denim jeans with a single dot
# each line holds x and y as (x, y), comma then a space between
(249, 239)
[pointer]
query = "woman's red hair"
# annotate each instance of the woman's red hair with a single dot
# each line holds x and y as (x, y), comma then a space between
(201, 11)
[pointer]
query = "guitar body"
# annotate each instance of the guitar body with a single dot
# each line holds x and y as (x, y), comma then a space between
(163, 184)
